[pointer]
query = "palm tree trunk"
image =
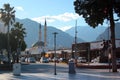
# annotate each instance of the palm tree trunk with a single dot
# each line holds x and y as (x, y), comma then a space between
(8, 44)
(113, 49)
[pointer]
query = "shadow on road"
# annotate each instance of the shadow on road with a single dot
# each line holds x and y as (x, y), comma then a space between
(43, 68)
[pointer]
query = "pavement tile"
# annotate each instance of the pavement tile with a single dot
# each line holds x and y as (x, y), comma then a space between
(60, 76)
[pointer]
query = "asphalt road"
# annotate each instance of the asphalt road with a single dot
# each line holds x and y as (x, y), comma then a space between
(44, 68)
(62, 72)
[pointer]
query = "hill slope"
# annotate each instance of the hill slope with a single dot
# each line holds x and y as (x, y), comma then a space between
(63, 39)
(87, 33)
(106, 34)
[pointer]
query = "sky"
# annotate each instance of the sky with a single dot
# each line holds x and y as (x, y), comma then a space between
(58, 13)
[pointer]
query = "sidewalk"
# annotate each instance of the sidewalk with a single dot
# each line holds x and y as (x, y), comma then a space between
(81, 74)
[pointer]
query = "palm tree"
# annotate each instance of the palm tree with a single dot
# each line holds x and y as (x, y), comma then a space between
(18, 33)
(8, 17)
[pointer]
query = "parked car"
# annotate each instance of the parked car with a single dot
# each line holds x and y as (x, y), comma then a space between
(22, 59)
(55, 59)
(96, 60)
(60, 59)
(30, 60)
(118, 60)
(4, 59)
(44, 60)
(81, 60)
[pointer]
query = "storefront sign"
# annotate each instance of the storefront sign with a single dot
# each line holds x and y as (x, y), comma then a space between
(96, 45)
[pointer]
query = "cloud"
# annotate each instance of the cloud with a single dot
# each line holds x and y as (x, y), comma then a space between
(67, 17)
(19, 8)
(42, 19)
(61, 17)
(65, 28)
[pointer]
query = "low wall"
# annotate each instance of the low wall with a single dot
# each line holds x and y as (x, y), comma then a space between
(5, 67)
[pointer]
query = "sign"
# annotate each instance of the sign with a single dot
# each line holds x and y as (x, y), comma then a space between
(96, 45)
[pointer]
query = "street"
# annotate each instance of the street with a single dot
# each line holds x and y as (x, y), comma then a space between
(45, 71)
(44, 68)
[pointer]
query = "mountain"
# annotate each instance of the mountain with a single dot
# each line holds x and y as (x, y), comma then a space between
(86, 33)
(63, 39)
(106, 34)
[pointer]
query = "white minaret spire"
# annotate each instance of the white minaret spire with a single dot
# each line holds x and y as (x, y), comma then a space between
(40, 33)
(45, 34)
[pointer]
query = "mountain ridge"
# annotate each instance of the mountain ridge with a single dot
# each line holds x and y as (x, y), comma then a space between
(86, 33)
(32, 28)
(106, 34)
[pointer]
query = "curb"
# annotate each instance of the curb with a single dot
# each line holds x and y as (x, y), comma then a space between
(96, 66)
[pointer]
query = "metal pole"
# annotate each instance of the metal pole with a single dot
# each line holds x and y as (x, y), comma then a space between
(75, 38)
(55, 33)
(88, 49)
(75, 55)
(109, 55)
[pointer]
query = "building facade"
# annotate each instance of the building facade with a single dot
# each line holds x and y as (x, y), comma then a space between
(92, 50)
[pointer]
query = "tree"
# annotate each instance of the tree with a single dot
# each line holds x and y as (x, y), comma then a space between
(3, 41)
(18, 33)
(95, 12)
(8, 17)
(17, 40)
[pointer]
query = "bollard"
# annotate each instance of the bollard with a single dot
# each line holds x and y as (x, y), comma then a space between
(16, 69)
(72, 67)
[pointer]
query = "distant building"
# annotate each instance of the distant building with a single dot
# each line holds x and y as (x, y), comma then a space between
(94, 50)
(63, 53)
(40, 46)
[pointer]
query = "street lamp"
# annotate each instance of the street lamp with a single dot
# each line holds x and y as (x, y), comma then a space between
(55, 33)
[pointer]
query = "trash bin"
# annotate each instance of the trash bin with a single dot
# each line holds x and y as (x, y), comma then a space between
(72, 67)
(16, 69)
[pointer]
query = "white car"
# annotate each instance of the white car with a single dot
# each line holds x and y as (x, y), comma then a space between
(81, 60)
(96, 60)
(44, 60)
(22, 59)
(30, 60)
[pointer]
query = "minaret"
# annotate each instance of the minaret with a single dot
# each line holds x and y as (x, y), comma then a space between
(45, 34)
(40, 33)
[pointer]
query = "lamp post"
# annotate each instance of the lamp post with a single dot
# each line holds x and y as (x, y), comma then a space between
(55, 33)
